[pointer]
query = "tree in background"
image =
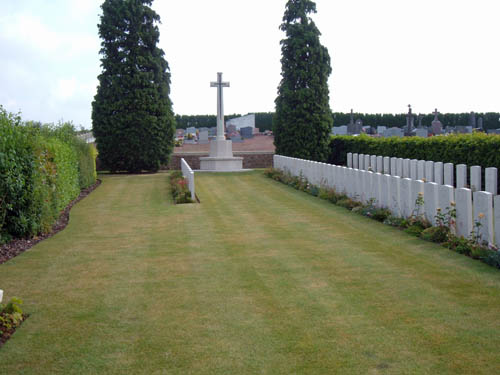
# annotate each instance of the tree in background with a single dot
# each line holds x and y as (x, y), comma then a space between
(303, 119)
(132, 116)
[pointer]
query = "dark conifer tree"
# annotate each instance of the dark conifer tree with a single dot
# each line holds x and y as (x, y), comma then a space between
(303, 118)
(132, 116)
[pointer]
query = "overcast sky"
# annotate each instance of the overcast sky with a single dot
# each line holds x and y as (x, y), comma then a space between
(385, 55)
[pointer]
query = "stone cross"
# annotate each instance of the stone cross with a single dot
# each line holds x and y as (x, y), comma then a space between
(436, 113)
(220, 105)
(351, 121)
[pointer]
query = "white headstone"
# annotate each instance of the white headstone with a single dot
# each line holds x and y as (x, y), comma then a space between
(483, 213)
(464, 212)
(448, 174)
(367, 162)
(438, 173)
(394, 166)
(413, 169)
(406, 168)
(380, 164)
(429, 171)
(362, 161)
(384, 193)
(394, 188)
(387, 165)
(475, 178)
(497, 220)
(399, 167)
(349, 159)
(421, 169)
(430, 201)
(491, 178)
(373, 163)
(377, 189)
(461, 176)
(355, 161)
(446, 197)
(405, 197)
(417, 189)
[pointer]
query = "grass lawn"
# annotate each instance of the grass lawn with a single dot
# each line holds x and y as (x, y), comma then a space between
(257, 279)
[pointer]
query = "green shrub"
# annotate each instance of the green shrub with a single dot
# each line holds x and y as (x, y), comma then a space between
(42, 169)
(179, 188)
(414, 230)
(435, 234)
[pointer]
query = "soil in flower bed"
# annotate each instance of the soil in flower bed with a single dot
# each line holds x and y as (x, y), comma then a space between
(7, 333)
(18, 246)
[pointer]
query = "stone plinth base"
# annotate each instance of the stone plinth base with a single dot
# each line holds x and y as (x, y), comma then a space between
(221, 158)
(221, 164)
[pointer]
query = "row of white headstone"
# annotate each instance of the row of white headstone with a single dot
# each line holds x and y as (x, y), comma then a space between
(188, 174)
(429, 171)
(399, 195)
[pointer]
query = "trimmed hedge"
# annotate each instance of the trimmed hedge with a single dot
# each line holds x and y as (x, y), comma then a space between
(42, 168)
(470, 149)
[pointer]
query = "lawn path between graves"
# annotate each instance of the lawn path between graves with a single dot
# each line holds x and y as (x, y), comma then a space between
(257, 279)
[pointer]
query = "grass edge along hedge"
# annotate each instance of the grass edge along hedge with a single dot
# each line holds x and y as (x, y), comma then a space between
(470, 149)
(42, 169)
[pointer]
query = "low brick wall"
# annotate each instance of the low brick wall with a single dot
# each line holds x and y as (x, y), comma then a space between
(251, 159)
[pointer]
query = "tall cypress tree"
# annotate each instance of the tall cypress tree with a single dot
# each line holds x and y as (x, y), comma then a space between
(303, 119)
(132, 116)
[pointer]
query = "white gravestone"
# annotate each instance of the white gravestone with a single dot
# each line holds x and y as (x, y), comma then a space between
(421, 169)
(387, 165)
(399, 167)
(394, 188)
(380, 164)
(496, 202)
(413, 169)
(438, 173)
(394, 166)
(448, 174)
(355, 161)
(373, 163)
(446, 199)
(475, 178)
(464, 212)
(491, 180)
(461, 176)
(417, 190)
(377, 189)
(362, 161)
(367, 162)
(430, 201)
(483, 213)
(349, 159)
(429, 171)
(384, 193)
(406, 168)
(405, 197)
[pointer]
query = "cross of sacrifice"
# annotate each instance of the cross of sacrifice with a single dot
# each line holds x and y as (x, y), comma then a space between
(220, 105)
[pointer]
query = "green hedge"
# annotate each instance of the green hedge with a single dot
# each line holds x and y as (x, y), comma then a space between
(470, 149)
(42, 168)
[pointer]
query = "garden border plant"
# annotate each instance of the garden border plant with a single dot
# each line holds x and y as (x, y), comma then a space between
(443, 233)
(179, 188)
(11, 317)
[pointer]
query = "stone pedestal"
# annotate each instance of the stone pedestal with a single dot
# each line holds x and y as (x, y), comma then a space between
(221, 158)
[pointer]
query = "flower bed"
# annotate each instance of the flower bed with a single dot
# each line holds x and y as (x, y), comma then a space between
(179, 187)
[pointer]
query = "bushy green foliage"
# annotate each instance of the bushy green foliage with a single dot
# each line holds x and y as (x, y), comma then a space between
(179, 188)
(42, 168)
(11, 315)
(132, 116)
(303, 117)
(470, 149)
